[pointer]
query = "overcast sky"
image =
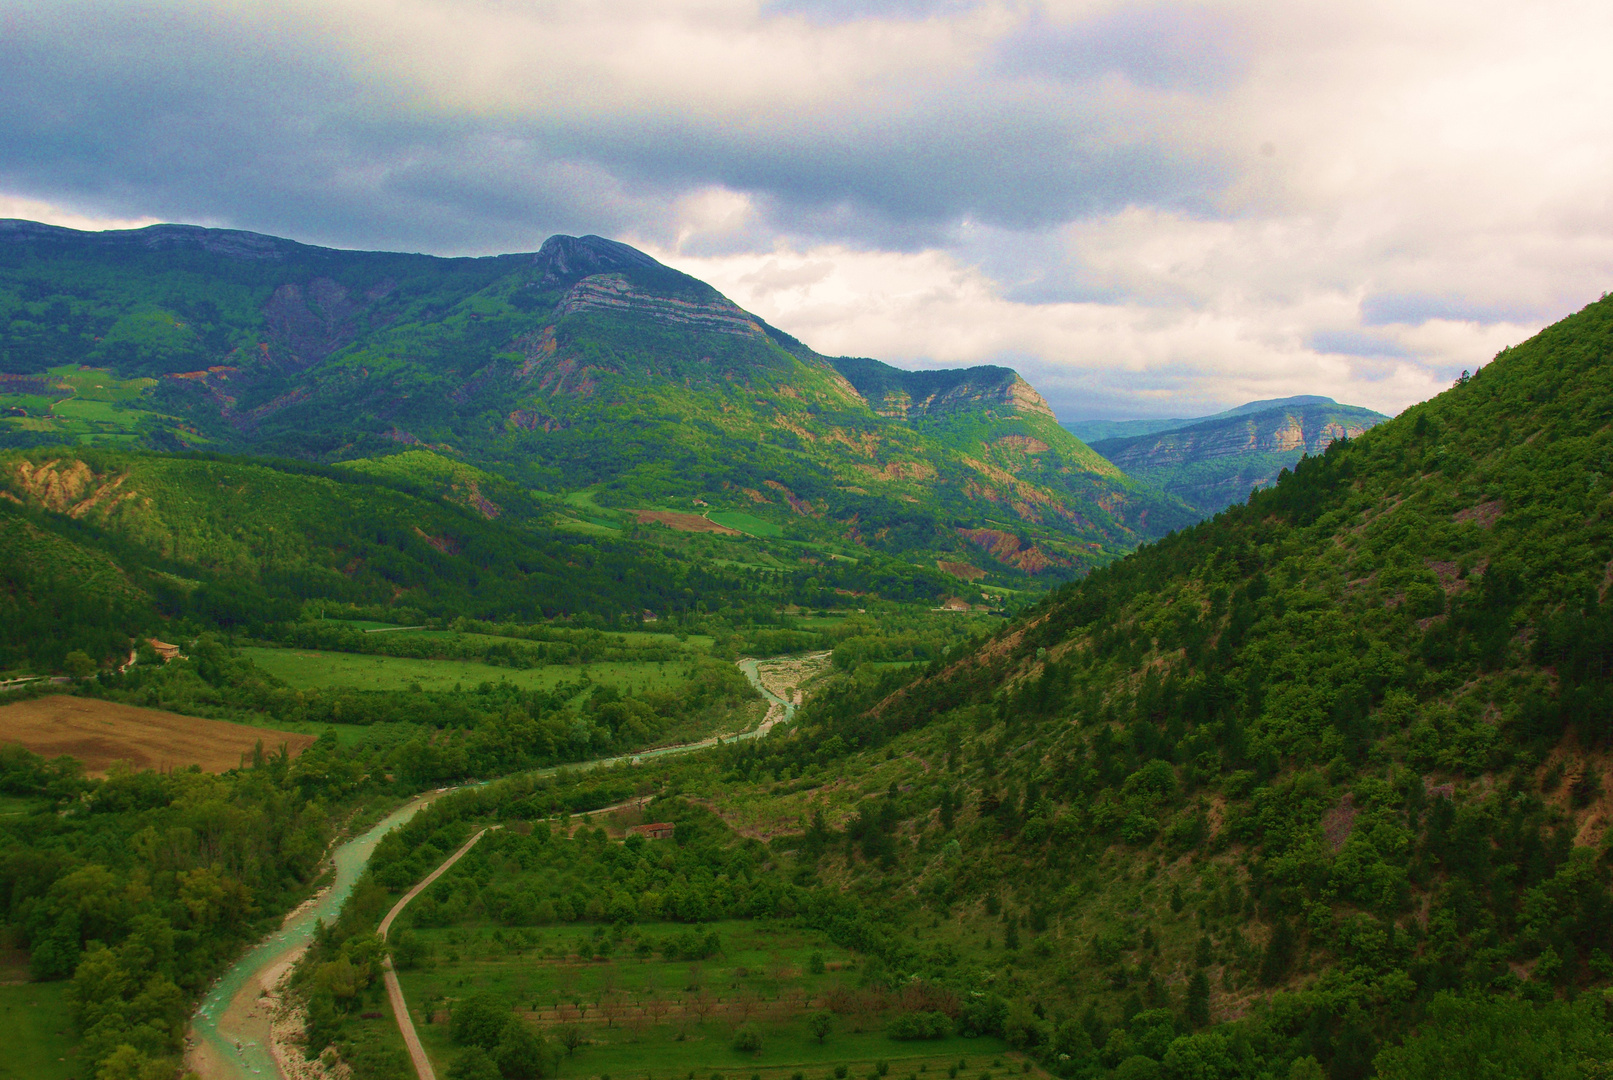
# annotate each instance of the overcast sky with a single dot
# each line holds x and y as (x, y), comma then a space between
(1148, 209)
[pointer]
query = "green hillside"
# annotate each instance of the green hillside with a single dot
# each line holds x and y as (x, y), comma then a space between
(585, 368)
(1284, 778)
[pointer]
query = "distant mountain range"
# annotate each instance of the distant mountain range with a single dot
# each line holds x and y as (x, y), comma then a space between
(1213, 462)
(619, 391)
(1096, 431)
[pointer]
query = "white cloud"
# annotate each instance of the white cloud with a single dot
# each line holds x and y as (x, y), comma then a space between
(16, 206)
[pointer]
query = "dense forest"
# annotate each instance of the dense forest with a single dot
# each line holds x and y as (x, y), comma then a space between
(1357, 728)
(101, 547)
(144, 885)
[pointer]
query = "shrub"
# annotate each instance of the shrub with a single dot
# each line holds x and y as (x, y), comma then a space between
(474, 1064)
(691, 945)
(479, 1020)
(919, 1025)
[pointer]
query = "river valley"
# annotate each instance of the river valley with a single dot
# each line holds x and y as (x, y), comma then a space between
(230, 1035)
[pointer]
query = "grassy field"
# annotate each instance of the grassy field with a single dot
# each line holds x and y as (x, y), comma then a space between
(587, 528)
(629, 638)
(308, 669)
(591, 513)
(385, 736)
(99, 733)
(99, 384)
(647, 1016)
(37, 1022)
(100, 407)
(747, 523)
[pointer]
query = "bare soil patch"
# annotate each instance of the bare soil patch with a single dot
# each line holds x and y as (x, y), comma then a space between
(682, 522)
(101, 732)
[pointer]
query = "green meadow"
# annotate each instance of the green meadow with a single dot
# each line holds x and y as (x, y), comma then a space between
(310, 669)
(39, 1037)
(100, 406)
(357, 736)
(746, 523)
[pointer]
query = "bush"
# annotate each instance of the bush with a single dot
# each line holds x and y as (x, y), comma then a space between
(919, 1025)
(474, 1064)
(747, 1040)
(522, 1053)
(1205, 1056)
(983, 1014)
(479, 1020)
(691, 945)
(1138, 1067)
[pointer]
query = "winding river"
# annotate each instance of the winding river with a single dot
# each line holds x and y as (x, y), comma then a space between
(229, 1033)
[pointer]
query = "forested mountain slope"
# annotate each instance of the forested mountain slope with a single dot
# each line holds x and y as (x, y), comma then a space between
(100, 546)
(584, 367)
(1215, 462)
(1294, 770)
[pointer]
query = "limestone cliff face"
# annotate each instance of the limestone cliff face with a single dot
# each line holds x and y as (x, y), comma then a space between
(913, 395)
(614, 293)
(1309, 429)
(1213, 463)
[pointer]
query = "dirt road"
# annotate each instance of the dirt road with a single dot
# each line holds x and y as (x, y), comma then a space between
(394, 992)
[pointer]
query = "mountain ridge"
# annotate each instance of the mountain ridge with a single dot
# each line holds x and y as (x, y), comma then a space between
(1215, 462)
(584, 366)
(1092, 431)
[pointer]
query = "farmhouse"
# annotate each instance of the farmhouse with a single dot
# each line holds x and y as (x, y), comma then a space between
(658, 830)
(163, 649)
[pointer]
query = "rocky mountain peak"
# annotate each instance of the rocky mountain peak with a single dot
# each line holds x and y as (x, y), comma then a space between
(570, 258)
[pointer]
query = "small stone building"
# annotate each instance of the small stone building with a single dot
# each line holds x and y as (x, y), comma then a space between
(659, 830)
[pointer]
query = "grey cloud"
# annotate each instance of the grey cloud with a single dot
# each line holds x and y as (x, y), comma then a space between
(167, 113)
(1354, 343)
(1013, 161)
(1172, 48)
(1102, 397)
(1385, 309)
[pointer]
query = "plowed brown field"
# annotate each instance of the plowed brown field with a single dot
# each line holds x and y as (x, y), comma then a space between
(101, 732)
(673, 519)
